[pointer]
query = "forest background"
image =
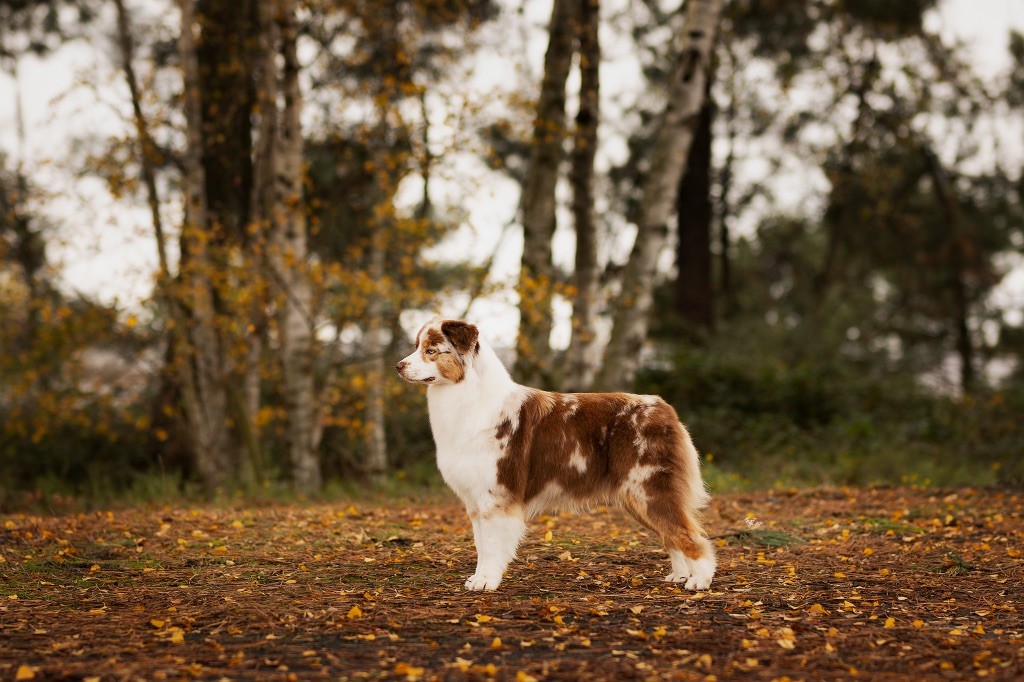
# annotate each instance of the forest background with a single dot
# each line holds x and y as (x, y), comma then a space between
(794, 219)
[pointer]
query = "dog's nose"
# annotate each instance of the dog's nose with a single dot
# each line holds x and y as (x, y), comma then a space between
(401, 365)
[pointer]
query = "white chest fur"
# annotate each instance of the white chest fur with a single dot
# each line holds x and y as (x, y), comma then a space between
(464, 418)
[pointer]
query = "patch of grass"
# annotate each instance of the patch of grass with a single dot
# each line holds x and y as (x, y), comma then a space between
(764, 538)
(883, 526)
(954, 564)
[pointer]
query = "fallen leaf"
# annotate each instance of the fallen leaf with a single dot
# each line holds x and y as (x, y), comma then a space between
(410, 672)
(24, 673)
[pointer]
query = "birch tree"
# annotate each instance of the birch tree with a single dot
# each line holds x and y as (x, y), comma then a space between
(537, 276)
(671, 148)
(288, 261)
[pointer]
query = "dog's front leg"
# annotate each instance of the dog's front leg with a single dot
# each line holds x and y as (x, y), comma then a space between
(497, 535)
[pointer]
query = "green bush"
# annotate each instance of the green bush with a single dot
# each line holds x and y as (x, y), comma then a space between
(767, 411)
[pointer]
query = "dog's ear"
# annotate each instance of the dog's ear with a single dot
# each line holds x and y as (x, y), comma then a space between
(463, 335)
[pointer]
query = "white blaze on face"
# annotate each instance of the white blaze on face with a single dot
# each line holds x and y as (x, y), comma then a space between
(416, 370)
(415, 367)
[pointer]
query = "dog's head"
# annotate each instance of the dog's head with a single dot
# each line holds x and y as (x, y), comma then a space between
(443, 351)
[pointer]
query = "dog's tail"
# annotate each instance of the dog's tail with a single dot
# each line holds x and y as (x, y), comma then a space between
(697, 496)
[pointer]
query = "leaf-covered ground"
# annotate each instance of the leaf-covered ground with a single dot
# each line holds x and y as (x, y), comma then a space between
(828, 584)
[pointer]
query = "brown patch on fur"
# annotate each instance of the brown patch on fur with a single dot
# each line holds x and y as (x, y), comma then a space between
(433, 338)
(449, 367)
(634, 450)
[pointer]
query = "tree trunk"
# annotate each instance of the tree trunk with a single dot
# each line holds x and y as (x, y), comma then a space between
(536, 276)
(668, 161)
(726, 288)
(288, 256)
(581, 361)
(376, 459)
(694, 292)
(946, 196)
(225, 58)
(29, 248)
(207, 409)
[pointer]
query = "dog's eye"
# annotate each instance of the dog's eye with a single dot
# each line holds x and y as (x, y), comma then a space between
(431, 351)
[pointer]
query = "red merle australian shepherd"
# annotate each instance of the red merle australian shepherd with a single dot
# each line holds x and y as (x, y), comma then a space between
(510, 452)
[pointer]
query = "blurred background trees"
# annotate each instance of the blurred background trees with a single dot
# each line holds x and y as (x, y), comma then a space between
(796, 225)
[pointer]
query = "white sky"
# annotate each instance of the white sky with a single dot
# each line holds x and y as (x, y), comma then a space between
(104, 248)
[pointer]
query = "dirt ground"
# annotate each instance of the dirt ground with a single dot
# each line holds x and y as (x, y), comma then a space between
(829, 584)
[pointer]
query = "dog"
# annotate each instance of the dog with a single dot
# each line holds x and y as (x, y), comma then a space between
(510, 452)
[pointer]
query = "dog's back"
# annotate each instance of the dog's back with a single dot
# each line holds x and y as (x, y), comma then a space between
(597, 446)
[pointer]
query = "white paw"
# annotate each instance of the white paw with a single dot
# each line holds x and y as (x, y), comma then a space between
(698, 583)
(703, 570)
(677, 577)
(479, 582)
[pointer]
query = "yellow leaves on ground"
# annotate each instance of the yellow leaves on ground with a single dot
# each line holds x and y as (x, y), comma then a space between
(816, 610)
(785, 638)
(169, 633)
(25, 673)
(410, 672)
(354, 612)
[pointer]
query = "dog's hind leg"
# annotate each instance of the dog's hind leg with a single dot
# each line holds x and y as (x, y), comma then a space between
(497, 533)
(680, 565)
(691, 553)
